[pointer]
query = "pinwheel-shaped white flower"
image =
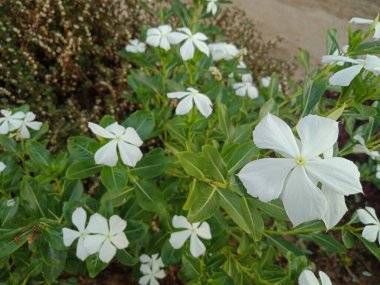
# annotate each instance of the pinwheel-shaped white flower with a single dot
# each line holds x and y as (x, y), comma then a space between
(178, 239)
(362, 148)
(10, 122)
(29, 122)
(126, 140)
(295, 177)
(191, 41)
(135, 46)
(151, 268)
(368, 217)
(203, 103)
(376, 35)
(105, 239)
(224, 51)
(345, 76)
(158, 37)
(2, 166)
(212, 7)
(307, 277)
(78, 218)
(246, 87)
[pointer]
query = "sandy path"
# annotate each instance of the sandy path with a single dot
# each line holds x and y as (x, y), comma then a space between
(303, 23)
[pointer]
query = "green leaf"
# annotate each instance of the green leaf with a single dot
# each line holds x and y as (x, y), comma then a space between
(205, 204)
(79, 148)
(152, 164)
(136, 230)
(148, 196)
(39, 154)
(8, 143)
(371, 246)
(33, 196)
(273, 209)
(143, 122)
(252, 217)
(230, 202)
(7, 213)
(332, 43)
(125, 258)
(236, 156)
(193, 163)
(9, 247)
(169, 254)
(347, 238)
(304, 59)
(190, 269)
(94, 265)
(114, 178)
(326, 242)
(312, 93)
(367, 48)
(54, 264)
(224, 122)
(216, 167)
(274, 86)
(82, 169)
(285, 246)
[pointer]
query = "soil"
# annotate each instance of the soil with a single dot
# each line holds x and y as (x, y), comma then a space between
(303, 23)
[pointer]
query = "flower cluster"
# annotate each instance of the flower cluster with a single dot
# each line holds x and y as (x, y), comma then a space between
(151, 268)
(100, 236)
(368, 217)
(19, 121)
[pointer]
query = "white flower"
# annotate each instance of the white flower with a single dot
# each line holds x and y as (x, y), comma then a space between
(28, 122)
(376, 35)
(246, 87)
(265, 81)
(345, 76)
(361, 148)
(151, 268)
(191, 41)
(10, 122)
(242, 65)
(78, 218)
(11, 203)
(135, 46)
(203, 103)
(125, 139)
(158, 37)
(2, 166)
(224, 51)
(308, 278)
(378, 171)
(294, 178)
(106, 239)
(194, 230)
(212, 7)
(368, 217)
(152, 260)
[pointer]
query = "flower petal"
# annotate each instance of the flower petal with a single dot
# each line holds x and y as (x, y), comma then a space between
(100, 131)
(307, 278)
(338, 58)
(176, 37)
(303, 201)
(317, 135)
(366, 217)
(338, 174)
(97, 225)
(371, 232)
(4, 128)
(145, 269)
(252, 92)
(265, 178)
(117, 225)
(184, 106)
(180, 222)
(336, 207)
(204, 231)
(34, 125)
(324, 278)
(132, 137)
(197, 248)
(144, 258)
(204, 104)
(345, 76)
(274, 133)
(153, 40)
(187, 50)
(81, 251)
(356, 20)
(107, 252)
(24, 132)
(107, 154)
(178, 95)
(202, 47)
(129, 153)
(79, 218)
(144, 280)
(178, 239)
(160, 274)
(92, 243)
(120, 240)
(69, 236)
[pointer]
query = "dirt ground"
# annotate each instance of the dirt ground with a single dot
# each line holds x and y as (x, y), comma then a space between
(303, 23)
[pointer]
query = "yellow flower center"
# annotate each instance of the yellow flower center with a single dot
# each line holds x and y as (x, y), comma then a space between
(108, 236)
(118, 138)
(300, 160)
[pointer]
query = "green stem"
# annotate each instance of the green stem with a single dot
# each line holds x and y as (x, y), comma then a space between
(304, 231)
